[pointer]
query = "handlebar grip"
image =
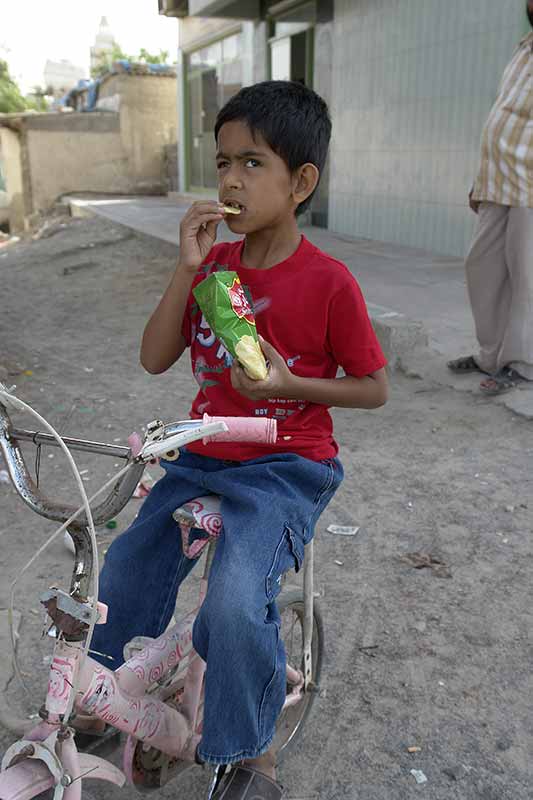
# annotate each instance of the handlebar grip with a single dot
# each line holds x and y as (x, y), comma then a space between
(244, 429)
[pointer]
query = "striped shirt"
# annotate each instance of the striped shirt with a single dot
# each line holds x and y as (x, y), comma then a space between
(506, 172)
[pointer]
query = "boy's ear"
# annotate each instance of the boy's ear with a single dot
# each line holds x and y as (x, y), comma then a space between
(304, 182)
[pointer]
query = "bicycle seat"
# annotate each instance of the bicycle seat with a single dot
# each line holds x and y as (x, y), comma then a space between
(203, 513)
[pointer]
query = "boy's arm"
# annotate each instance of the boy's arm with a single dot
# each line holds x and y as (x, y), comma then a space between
(371, 391)
(162, 342)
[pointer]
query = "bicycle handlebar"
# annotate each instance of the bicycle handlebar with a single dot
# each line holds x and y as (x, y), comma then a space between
(175, 435)
(243, 429)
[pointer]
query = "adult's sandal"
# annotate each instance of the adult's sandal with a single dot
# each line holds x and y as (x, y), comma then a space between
(243, 783)
(464, 364)
(503, 381)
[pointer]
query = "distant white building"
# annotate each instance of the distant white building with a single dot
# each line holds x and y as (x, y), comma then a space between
(61, 76)
(103, 43)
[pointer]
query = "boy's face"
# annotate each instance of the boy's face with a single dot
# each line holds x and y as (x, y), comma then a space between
(253, 176)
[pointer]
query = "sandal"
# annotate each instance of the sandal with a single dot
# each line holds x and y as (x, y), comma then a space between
(244, 783)
(503, 381)
(464, 364)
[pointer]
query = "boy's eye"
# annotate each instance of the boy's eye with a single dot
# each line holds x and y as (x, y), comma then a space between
(252, 162)
(222, 164)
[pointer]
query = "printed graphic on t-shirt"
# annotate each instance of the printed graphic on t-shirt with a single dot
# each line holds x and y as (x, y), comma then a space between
(206, 372)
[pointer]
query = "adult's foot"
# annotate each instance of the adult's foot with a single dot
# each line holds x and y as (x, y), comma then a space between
(503, 381)
(465, 364)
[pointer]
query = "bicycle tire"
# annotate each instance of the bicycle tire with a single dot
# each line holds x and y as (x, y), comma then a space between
(292, 720)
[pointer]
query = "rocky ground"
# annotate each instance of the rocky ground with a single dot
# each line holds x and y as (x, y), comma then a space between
(427, 609)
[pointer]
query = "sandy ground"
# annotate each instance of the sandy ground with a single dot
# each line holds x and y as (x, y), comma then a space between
(438, 657)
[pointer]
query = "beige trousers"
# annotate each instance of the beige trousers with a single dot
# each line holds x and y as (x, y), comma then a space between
(499, 276)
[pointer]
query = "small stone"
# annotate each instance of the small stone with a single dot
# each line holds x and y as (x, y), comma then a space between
(457, 772)
(509, 509)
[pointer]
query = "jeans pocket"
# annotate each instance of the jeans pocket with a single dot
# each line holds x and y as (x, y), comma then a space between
(289, 555)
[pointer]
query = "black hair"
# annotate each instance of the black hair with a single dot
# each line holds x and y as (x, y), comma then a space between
(292, 119)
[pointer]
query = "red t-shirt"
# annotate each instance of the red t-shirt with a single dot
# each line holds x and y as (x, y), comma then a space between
(311, 309)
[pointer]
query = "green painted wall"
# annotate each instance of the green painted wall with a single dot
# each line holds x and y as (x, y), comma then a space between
(413, 82)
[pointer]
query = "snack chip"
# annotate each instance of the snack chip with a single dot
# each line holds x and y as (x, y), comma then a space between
(251, 357)
(232, 210)
(228, 312)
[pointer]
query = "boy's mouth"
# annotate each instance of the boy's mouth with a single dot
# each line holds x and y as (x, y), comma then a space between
(233, 207)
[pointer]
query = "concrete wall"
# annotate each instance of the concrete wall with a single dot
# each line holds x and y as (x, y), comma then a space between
(413, 82)
(75, 152)
(10, 157)
(119, 152)
(148, 123)
(196, 32)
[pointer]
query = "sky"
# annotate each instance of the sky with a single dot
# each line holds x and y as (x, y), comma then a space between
(36, 30)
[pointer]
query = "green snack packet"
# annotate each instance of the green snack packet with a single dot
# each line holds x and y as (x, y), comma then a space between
(228, 312)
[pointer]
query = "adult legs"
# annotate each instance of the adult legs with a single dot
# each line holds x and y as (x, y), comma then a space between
(517, 347)
(489, 283)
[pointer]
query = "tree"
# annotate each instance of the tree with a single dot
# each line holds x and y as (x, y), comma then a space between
(37, 99)
(148, 58)
(11, 100)
(107, 59)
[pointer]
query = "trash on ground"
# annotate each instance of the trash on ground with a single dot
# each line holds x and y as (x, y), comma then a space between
(414, 749)
(343, 530)
(4, 476)
(367, 650)
(418, 775)
(426, 560)
(111, 524)
(6, 241)
(509, 509)
(76, 267)
(339, 563)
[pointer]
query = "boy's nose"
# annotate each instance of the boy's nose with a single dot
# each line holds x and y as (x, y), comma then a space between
(232, 180)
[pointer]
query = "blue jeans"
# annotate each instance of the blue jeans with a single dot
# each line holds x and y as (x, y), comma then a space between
(269, 507)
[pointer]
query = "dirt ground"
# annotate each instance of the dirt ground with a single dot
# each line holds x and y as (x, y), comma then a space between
(437, 657)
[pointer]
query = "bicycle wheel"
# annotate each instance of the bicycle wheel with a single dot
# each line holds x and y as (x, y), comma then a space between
(292, 719)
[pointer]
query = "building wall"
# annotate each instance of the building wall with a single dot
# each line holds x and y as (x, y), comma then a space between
(10, 157)
(413, 82)
(101, 151)
(148, 123)
(75, 152)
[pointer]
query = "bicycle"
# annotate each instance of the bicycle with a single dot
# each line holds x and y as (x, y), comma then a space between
(155, 697)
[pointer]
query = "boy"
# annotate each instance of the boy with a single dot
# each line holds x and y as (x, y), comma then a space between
(272, 141)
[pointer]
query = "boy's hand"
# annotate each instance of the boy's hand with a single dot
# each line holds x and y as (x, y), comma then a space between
(279, 383)
(198, 231)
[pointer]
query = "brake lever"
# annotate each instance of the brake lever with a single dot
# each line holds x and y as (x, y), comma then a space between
(153, 449)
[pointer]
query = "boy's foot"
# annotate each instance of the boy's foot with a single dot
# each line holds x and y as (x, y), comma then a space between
(265, 764)
(243, 783)
(465, 364)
